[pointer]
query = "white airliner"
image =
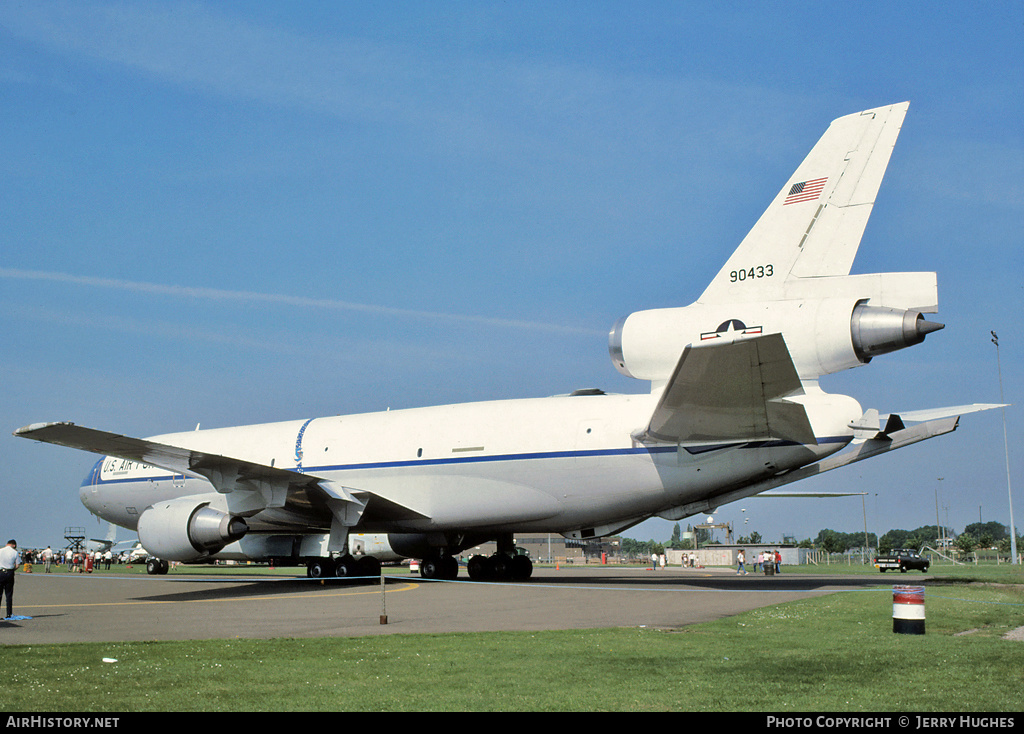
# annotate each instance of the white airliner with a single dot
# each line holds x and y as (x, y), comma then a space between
(734, 409)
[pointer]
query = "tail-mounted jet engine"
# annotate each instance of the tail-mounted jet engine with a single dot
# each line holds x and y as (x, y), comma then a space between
(823, 336)
(187, 529)
(877, 330)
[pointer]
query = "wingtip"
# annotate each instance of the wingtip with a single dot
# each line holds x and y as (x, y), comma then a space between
(33, 427)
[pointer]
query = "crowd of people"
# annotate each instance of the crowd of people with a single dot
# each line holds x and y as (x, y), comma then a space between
(769, 561)
(70, 559)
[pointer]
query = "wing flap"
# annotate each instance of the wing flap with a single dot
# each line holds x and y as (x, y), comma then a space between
(733, 391)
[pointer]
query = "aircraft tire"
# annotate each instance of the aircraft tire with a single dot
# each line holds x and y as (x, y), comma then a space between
(345, 566)
(499, 566)
(478, 568)
(317, 568)
(156, 567)
(430, 568)
(521, 568)
(368, 566)
(443, 568)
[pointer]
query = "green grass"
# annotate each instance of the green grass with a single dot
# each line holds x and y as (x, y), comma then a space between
(937, 572)
(832, 653)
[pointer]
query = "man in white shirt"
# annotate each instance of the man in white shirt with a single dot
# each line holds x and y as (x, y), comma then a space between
(9, 560)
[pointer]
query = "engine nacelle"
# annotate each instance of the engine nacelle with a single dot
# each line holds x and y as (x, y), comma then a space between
(187, 529)
(823, 336)
(878, 330)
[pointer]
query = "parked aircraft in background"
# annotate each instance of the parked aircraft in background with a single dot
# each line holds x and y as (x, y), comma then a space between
(102, 545)
(734, 408)
(130, 551)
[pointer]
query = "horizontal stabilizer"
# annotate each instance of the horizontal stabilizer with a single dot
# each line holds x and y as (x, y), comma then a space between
(917, 416)
(872, 425)
(798, 495)
(731, 392)
(865, 450)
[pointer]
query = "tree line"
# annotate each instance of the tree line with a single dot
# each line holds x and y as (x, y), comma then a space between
(980, 535)
(976, 535)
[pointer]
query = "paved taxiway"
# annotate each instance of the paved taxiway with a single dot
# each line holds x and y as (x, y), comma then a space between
(77, 608)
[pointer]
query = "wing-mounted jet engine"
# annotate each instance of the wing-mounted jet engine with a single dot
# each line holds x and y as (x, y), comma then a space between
(188, 529)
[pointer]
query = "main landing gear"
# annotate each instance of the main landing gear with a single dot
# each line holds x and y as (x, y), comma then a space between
(499, 567)
(507, 564)
(345, 566)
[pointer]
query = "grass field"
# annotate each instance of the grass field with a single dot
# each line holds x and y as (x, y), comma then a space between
(833, 653)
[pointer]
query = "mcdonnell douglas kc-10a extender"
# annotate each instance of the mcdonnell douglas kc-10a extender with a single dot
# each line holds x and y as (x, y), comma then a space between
(734, 409)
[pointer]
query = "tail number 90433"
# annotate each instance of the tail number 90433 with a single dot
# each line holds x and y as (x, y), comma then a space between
(754, 273)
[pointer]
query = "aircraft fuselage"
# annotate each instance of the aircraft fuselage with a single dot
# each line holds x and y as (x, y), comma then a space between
(552, 464)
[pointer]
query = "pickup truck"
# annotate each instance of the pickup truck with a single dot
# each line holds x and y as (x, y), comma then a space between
(902, 559)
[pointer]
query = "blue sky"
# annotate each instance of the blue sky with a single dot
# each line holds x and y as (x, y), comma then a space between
(230, 213)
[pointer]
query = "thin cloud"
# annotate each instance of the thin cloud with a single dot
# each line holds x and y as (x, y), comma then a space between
(218, 294)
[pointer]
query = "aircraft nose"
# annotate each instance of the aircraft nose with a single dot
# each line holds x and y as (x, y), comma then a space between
(88, 492)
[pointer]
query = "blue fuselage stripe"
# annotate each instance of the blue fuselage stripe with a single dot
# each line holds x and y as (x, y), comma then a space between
(94, 475)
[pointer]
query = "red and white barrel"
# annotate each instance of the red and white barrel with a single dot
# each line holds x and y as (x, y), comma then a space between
(908, 610)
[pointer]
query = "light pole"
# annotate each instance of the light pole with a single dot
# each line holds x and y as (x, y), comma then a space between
(1006, 449)
(864, 511)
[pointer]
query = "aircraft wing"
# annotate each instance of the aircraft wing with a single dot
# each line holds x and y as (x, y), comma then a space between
(250, 487)
(733, 391)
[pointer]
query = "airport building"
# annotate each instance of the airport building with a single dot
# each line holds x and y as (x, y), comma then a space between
(726, 555)
(556, 549)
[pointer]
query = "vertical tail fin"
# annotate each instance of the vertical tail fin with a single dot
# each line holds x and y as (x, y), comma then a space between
(814, 225)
